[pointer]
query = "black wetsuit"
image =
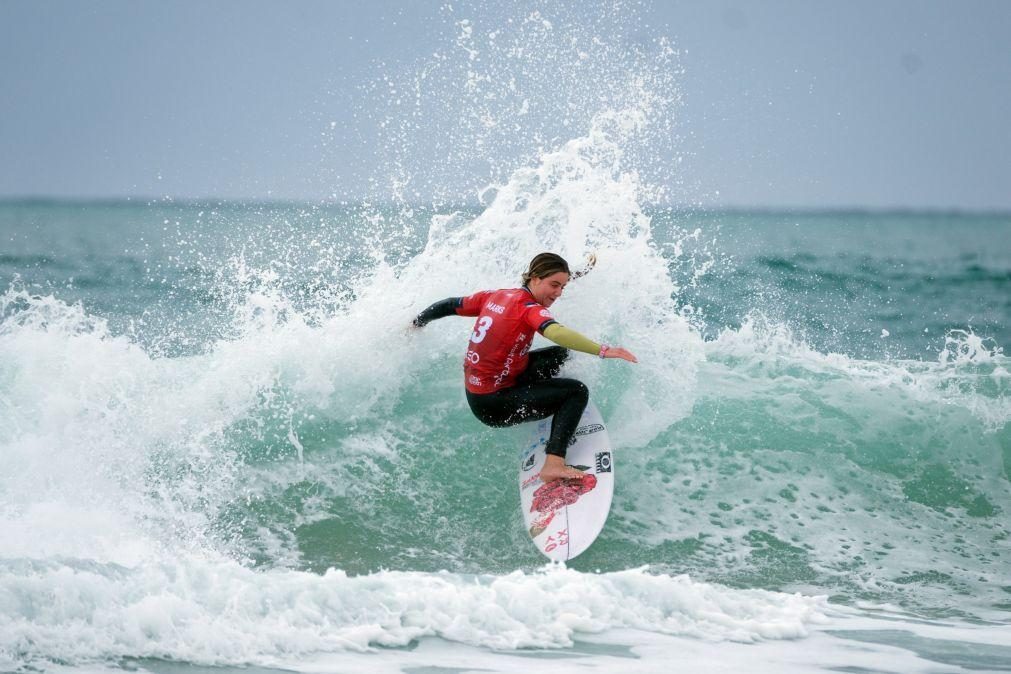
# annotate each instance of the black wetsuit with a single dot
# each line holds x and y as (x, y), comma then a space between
(539, 393)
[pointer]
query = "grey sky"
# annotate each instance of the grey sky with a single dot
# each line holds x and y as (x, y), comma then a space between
(795, 104)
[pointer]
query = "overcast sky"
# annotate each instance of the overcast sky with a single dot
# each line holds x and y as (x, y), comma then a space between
(904, 103)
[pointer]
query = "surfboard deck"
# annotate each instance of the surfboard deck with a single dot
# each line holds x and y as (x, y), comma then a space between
(564, 517)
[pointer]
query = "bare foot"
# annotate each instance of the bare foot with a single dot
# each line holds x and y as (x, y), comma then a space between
(555, 469)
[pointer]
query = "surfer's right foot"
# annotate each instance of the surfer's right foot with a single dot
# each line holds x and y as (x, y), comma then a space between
(555, 469)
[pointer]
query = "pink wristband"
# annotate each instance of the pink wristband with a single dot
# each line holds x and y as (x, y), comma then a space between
(603, 350)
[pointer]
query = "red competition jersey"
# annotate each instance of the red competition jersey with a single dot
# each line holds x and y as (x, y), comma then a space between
(503, 333)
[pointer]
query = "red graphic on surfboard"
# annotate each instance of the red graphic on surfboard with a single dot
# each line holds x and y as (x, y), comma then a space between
(555, 495)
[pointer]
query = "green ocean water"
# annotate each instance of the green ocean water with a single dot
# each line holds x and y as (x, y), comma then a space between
(846, 430)
(203, 396)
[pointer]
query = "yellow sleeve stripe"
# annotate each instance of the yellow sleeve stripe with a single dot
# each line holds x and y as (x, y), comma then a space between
(570, 339)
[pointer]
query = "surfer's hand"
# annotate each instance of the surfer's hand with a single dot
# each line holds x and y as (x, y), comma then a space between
(620, 352)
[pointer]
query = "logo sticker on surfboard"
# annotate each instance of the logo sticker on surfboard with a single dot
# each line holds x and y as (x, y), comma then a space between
(529, 463)
(603, 462)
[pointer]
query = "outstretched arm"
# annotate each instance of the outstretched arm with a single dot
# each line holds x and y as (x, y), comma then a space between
(440, 309)
(570, 339)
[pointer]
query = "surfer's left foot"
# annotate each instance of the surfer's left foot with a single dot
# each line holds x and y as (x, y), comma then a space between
(555, 469)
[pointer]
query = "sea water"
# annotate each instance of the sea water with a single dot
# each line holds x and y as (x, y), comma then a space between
(223, 446)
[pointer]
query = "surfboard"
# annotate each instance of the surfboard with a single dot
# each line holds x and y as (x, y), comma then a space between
(564, 517)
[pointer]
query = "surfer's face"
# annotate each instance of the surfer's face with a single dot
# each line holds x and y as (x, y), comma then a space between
(548, 289)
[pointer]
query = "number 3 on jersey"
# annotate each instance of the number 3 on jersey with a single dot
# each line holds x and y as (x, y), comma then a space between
(481, 329)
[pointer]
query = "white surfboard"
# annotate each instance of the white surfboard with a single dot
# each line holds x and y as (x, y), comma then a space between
(564, 517)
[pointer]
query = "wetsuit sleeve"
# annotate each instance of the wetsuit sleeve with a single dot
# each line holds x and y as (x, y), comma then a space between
(570, 339)
(440, 309)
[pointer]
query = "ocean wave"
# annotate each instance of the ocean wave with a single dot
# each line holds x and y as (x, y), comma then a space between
(220, 613)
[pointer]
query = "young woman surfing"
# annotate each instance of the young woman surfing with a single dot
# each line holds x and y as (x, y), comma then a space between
(506, 382)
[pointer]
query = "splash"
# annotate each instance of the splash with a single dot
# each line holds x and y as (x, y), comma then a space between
(962, 347)
(513, 86)
(186, 446)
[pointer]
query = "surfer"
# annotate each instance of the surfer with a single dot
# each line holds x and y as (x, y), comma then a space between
(506, 382)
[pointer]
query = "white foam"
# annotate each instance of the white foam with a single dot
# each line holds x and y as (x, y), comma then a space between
(112, 450)
(555, 619)
(625, 651)
(969, 372)
(220, 612)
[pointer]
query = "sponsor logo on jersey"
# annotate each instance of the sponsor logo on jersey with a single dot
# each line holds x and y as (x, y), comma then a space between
(507, 365)
(546, 314)
(476, 381)
(603, 462)
(497, 308)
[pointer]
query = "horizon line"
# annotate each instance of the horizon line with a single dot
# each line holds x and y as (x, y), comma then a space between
(79, 200)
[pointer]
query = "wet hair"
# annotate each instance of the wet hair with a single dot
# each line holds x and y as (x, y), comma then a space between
(546, 264)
